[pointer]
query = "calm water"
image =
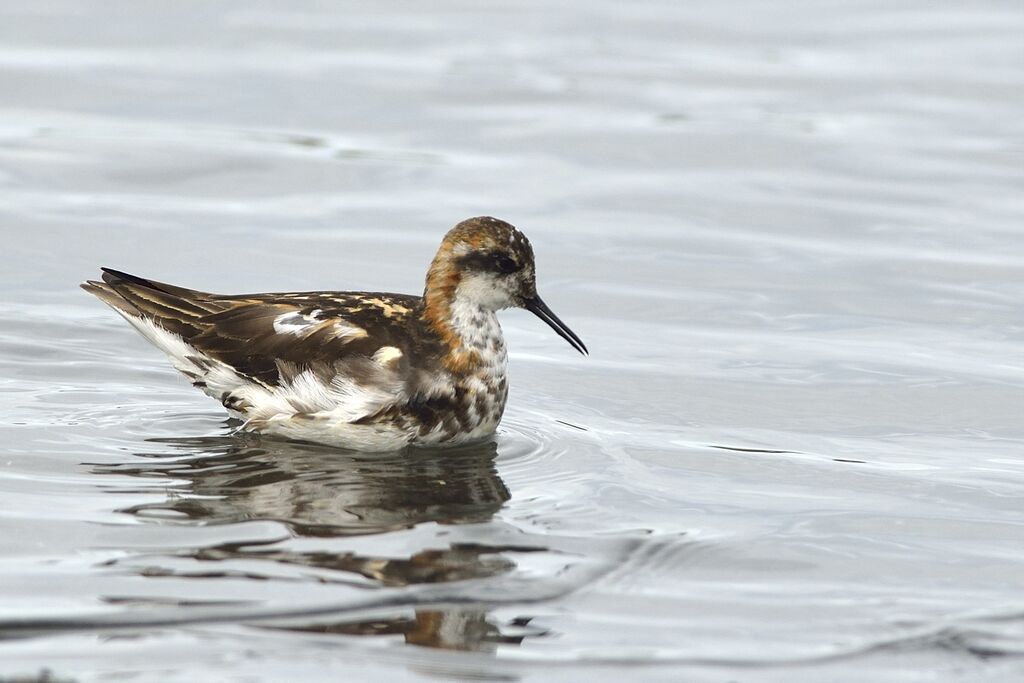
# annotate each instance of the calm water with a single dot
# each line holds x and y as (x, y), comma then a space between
(792, 235)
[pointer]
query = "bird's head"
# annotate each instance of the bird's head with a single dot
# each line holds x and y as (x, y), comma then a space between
(487, 263)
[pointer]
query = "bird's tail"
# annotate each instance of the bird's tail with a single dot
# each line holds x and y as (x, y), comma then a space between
(175, 309)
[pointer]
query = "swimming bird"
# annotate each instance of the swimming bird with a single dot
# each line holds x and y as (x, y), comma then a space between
(361, 370)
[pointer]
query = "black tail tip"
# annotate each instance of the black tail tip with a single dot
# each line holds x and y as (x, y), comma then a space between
(111, 277)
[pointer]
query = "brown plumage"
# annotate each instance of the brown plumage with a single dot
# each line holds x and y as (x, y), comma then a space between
(239, 330)
(360, 369)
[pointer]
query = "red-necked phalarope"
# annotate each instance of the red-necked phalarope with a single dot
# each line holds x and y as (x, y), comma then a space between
(361, 370)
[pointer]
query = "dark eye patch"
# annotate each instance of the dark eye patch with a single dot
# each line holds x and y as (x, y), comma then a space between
(495, 262)
(504, 264)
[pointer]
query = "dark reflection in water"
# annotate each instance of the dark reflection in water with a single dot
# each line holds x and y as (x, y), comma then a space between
(322, 492)
(449, 629)
(326, 493)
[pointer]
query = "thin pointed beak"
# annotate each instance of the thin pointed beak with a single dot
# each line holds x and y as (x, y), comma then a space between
(541, 310)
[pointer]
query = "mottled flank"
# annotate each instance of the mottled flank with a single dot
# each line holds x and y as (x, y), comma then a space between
(363, 370)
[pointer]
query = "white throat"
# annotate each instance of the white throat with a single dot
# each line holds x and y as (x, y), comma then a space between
(475, 324)
(480, 331)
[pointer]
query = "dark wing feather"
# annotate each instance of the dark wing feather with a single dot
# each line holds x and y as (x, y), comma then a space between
(240, 330)
(338, 326)
(176, 309)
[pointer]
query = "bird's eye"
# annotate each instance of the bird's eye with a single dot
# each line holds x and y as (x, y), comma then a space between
(504, 264)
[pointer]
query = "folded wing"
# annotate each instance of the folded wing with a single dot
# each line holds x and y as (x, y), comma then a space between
(328, 355)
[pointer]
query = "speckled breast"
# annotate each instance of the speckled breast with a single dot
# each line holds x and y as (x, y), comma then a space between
(472, 408)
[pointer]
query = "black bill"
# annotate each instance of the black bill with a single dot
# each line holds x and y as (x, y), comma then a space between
(541, 310)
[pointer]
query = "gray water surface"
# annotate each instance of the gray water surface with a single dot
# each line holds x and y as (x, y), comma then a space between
(791, 233)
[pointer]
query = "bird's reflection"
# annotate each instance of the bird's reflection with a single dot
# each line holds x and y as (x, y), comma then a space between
(323, 492)
(326, 493)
